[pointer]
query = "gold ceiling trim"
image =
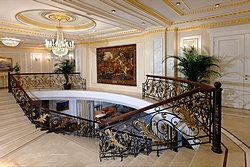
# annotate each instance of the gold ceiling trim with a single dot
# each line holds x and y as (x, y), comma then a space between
(173, 7)
(103, 31)
(101, 12)
(128, 37)
(18, 25)
(173, 29)
(117, 39)
(180, 13)
(217, 24)
(80, 9)
(213, 17)
(220, 7)
(28, 21)
(142, 17)
(115, 34)
(24, 47)
(140, 6)
(24, 32)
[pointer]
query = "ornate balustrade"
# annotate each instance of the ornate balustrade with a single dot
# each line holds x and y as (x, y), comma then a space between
(187, 114)
(161, 88)
(50, 120)
(49, 80)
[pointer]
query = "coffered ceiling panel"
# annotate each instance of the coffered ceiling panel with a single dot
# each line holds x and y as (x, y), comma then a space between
(91, 20)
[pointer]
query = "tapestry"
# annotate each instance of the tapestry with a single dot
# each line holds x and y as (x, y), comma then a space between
(117, 65)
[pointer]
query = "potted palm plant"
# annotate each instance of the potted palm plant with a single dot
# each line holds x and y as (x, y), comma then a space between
(66, 67)
(194, 66)
(16, 68)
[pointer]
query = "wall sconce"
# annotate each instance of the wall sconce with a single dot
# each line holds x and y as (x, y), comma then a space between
(71, 56)
(48, 58)
(36, 57)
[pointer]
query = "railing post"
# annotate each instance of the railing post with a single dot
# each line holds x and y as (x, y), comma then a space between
(216, 115)
(9, 86)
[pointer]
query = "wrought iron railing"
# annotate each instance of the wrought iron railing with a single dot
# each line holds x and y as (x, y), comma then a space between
(187, 114)
(47, 119)
(49, 80)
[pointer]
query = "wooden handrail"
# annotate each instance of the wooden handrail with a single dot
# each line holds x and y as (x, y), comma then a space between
(46, 109)
(205, 87)
(129, 114)
(43, 73)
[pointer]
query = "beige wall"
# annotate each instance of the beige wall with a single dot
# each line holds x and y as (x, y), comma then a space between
(85, 55)
(144, 60)
(30, 60)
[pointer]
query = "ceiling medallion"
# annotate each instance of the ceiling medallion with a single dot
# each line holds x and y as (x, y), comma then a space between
(55, 16)
(46, 19)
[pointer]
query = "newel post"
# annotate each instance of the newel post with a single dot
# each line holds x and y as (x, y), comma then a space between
(9, 85)
(216, 115)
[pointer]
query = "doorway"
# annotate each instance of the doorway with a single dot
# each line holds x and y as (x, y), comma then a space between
(234, 51)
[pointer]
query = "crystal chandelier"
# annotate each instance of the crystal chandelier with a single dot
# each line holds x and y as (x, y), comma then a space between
(10, 41)
(60, 47)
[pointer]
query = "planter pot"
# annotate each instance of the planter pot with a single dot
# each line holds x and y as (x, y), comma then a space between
(67, 86)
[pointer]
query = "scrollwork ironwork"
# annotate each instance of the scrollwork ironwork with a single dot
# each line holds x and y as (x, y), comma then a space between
(49, 81)
(48, 119)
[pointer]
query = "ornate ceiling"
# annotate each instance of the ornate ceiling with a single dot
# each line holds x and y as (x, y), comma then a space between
(96, 20)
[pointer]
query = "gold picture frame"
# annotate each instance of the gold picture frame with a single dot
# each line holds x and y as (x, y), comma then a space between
(5, 64)
(117, 65)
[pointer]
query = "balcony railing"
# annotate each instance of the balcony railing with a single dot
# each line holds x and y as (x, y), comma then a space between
(185, 114)
(44, 118)
(49, 80)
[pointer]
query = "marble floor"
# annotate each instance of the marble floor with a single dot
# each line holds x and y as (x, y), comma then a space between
(51, 148)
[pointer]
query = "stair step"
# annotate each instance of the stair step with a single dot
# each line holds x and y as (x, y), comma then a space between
(5, 94)
(7, 98)
(183, 157)
(86, 142)
(112, 162)
(150, 159)
(13, 120)
(11, 113)
(17, 143)
(14, 127)
(7, 102)
(165, 158)
(15, 134)
(20, 135)
(236, 156)
(124, 162)
(206, 158)
(137, 160)
(9, 106)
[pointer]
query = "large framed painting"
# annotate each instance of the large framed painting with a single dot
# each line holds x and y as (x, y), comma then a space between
(5, 64)
(62, 105)
(117, 65)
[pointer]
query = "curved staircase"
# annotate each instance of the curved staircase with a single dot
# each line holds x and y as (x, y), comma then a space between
(21, 144)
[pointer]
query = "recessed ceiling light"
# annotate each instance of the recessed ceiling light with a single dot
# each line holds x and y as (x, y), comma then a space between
(178, 3)
(112, 11)
(217, 5)
(142, 23)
